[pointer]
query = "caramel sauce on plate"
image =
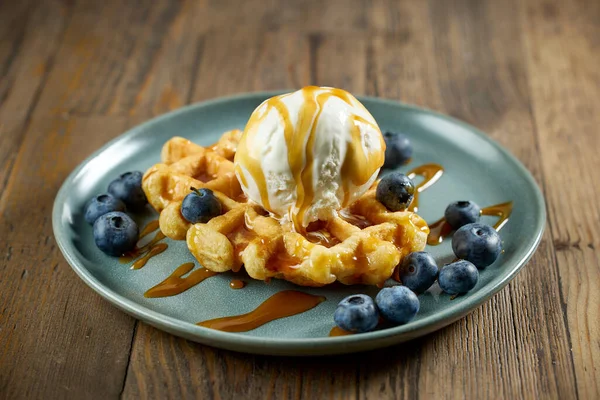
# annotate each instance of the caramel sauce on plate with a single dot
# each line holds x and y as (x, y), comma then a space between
(138, 251)
(440, 229)
(430, 173)
(280, 305)
(176, 284)
(154, 251)
(337, 331)
(149, 228)
(502, 211)
(237, 284)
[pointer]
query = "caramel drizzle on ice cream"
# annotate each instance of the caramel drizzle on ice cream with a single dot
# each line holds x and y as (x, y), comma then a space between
(357, 168)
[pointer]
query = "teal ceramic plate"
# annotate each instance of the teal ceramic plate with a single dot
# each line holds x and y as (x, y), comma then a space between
(476, 168)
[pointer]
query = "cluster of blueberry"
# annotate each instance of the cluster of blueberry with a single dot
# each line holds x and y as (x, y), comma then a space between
(115, 232)
(475, 245)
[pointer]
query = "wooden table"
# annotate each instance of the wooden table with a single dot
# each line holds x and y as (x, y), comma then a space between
(75, 73)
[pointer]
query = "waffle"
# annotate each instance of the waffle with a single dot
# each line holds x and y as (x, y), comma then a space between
(362, 245)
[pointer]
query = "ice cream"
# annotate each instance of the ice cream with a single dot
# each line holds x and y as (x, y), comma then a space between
(304, 155)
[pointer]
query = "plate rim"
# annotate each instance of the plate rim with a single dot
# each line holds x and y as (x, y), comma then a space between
(292, 346)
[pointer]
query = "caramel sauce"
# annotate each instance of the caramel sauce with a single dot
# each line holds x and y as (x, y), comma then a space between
(430, 173)
(440, 229)
(138, 251)
(356, 220)
(204, 177)
(149, 228)
(322, 237)
(502, 211)
(317, 233)
(237, 284)
(282, 261)
(337, 331)
(154, 251)
(176, 284)
(280, 305)
(358, 166)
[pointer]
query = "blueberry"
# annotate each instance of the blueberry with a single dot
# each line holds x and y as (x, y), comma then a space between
(458, 277)
(477, 243)
(115, 233)
(395, 191)
(397, 304)
(128, 188)
(461, 213)
(418, 271)
(101, 205)
(356, 313)
(398, 149)
(200, 206)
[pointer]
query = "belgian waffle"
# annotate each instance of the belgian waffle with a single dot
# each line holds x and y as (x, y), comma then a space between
(363, 245)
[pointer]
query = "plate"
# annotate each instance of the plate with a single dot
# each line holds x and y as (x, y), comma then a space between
(476, 168)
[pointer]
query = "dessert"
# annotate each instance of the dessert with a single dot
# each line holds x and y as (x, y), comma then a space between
(306, 154)
(304, 208)
(295, 197)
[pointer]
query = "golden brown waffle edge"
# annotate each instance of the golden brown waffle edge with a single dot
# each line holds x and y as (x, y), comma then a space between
(244, 236)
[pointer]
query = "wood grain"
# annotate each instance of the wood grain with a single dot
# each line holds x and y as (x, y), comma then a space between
(74, 74)
(565, 87)
(30, 36)
(491, 94)
(59, 340)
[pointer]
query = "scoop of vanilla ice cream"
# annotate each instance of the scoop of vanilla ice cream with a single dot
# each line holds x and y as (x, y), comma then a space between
(304, 155)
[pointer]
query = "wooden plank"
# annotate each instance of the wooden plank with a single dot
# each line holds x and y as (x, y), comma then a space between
(164, 366)
(499, 351)
(239, 60)
(563, 59)
(29, 37)
(110, 55)
(59, 340)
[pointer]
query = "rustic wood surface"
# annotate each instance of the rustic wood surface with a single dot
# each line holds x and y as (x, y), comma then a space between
(526, 72)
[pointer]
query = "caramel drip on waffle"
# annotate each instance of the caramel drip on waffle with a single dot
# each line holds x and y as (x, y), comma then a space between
(175, 283)
(358, 165)
(280, 305)
(440, 229)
